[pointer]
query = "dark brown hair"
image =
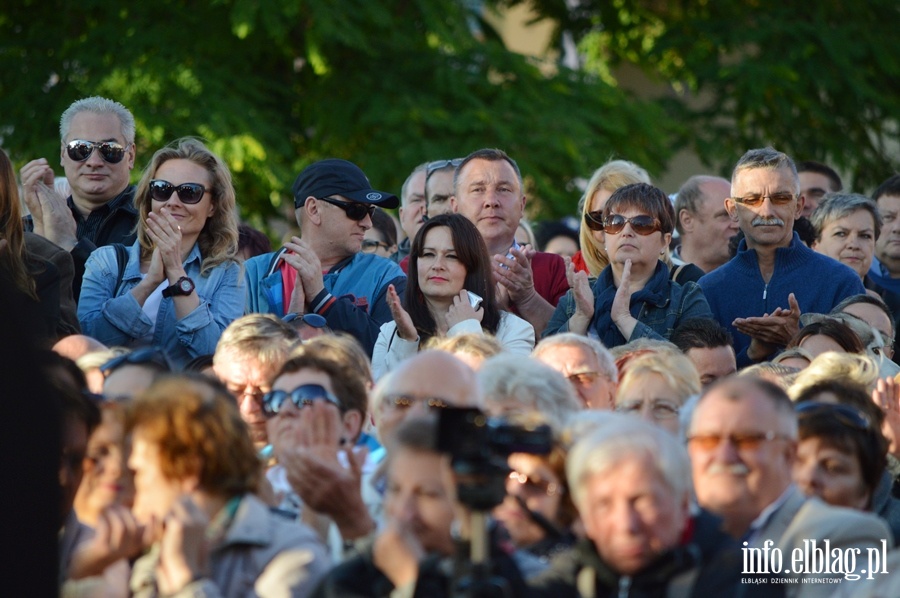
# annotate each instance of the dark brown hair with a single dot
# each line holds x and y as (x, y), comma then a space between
(646, 198)
(472, 253)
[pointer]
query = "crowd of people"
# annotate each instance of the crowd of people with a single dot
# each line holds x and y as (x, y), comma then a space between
(656, 402)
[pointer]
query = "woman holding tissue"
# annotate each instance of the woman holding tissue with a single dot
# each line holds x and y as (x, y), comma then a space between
(177, 287)
(450, 291)
(633, 296)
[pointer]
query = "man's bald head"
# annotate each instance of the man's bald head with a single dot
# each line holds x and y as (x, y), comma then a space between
(77, 345)
(428, 376)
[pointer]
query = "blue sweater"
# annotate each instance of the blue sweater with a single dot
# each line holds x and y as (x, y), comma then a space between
(737, 289)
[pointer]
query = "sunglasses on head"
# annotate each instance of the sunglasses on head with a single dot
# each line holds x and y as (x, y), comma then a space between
(441, 164)
(150, 356)
(779, 199)
(188, 193)
(80, 150)
(312, 320)
(642, 225)
(845, 414)
(302, 396)
(354, 211)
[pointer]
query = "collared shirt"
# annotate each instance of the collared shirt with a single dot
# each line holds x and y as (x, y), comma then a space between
(752, 533)
(117, 318)
(90, 227)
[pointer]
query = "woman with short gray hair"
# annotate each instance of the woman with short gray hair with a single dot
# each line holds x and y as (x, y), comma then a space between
(847, 225)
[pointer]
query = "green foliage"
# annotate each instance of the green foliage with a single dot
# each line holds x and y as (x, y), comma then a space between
(819, 80)
(275, 85)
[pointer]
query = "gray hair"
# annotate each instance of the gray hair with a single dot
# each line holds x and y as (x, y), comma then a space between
(689, 196)
(625, 437)
(404, 190)
(770, 159)
(534, 385)
(264, 337)
(840, 205)
(97, 105)
(592, 346)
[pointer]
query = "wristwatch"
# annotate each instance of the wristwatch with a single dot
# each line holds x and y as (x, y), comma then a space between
(182, 286)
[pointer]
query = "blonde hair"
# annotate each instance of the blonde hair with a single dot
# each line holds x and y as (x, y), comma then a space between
(610, 176)
(218, 240)
(859, 369)
(472, 343)
(676, 370)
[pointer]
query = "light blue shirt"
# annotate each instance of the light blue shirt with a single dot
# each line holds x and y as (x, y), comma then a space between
(120, 321)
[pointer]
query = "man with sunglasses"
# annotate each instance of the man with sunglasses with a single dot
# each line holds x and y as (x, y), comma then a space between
(97, 155)
(742, 441)
(759, 295)
(324, 271)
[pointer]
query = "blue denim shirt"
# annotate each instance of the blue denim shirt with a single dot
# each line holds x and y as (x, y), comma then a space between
(121, 321)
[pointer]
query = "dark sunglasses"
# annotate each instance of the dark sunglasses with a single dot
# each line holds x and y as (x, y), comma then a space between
(355, 211)
(642, 225)
(302, 396)
(847, 415)
(778, 199)
(311, 320)
(80, 150)
(441, 164)
(151, 356)
(594, 220)
(188, 193)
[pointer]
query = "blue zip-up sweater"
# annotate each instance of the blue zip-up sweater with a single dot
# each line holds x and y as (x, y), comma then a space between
(737, 289)
(353, 300)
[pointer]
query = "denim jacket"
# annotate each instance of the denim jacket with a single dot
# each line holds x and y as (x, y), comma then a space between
(655, 320)
(120, 320)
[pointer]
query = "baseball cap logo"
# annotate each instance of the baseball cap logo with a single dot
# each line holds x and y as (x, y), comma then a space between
(373, 196)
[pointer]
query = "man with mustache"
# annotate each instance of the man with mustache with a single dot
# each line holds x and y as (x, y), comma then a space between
(742, 442)
(760, 293)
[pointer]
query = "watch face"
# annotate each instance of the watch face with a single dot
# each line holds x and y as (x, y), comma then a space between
(186, 286)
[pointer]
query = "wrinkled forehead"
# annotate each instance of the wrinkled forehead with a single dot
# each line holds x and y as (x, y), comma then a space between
(764, 180)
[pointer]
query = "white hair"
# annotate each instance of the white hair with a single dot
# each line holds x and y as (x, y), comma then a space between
(592, 346)
(625, 437)
(97, 105)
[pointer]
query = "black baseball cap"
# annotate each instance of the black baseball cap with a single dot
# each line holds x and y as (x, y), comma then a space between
(339, 177)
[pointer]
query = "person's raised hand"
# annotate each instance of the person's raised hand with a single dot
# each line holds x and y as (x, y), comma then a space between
(184, 548)
(515, 274)
(887, 396)
(35, 174)
(405, 327)
(304, 260)
(117, 535)
(165, 232)
(462, 310)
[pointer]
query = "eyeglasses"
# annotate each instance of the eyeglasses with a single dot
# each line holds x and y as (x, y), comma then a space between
(80, 150)
(845, 414)
(594, 220)
(189, 193)
(311, 320)
(371, 245)
(533, 486)
(584, 378)
(779, 199)
(658, 408)
(151, 356)
(642, 225)
(405, 401)
(302, 396)
(355, 211)
(441, 164)
(743, 441)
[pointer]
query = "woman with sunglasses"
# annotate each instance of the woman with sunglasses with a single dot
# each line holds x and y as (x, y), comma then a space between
(179, 287)
(632, 297)
(449, 263)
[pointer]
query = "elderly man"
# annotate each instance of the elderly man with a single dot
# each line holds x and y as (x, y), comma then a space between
(97, 155)
(709, 347)
(760, 293)
(333, 202)
(412, 209)
(816, 179)
(703, 222)
(488, 191)
(586, 363)
(631, 484)
(249, 354)
(742, 442)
